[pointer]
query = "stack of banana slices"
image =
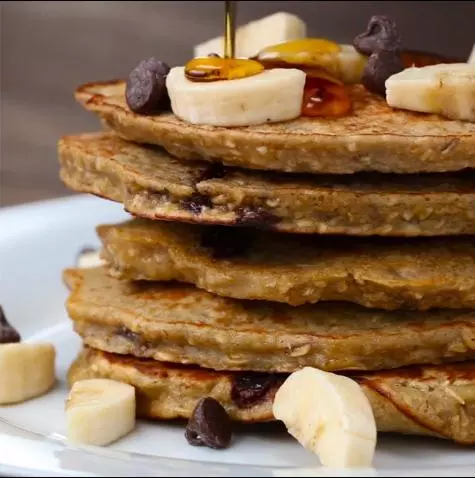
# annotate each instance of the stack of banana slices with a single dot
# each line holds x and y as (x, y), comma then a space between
(318, 271)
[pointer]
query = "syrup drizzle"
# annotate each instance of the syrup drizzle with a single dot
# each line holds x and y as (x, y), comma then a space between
(229, 29)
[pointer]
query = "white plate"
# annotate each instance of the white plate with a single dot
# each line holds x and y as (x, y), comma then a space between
(36, 242)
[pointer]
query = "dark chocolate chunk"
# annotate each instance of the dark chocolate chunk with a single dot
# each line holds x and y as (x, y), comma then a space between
(226, 242)
(209, 425)
(196, 203)
(381, 34)
(255, 216)
(380, 66)
(250, 389)
(146, 90)
(8, 335)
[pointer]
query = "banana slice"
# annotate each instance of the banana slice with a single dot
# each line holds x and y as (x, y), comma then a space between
(329, 415)
(445, 89)
(471, 58)
(89, 258)
(26, 371)
(273, 95)
(99, 411)
(342, 61)
(351, 64)
(254, 36)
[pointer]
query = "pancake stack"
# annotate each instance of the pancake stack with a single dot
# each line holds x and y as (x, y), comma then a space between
(341, 244)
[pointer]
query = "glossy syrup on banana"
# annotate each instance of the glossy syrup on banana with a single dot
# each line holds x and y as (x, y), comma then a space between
(324, 93)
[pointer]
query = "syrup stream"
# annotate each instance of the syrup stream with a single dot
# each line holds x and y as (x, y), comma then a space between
(229, 29)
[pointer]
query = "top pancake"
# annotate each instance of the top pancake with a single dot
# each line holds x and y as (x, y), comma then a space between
(374, 137)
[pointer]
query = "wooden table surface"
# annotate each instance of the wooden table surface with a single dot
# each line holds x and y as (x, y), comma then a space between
(48, 48)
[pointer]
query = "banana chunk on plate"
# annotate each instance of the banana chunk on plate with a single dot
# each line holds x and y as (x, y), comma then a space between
(445, 89)
(27, 370)
(99, 411)
(254, 36)
(330, 415)
(89, 257)
(270, 96)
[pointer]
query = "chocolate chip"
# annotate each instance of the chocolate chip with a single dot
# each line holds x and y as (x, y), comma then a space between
(8, 335)
(255, 216)
(146, 91)
(226, 242)
(252, 388)
(128, 334)
(380, 66)
(214, 55)
(209, 425)
(381, 34)
(214, 171)
(196, 203)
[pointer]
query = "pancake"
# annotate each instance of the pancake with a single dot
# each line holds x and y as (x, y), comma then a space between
(374, 137)
(153, 185)
(175, 322)
(435, 401)
(169, 391)
(250, 264)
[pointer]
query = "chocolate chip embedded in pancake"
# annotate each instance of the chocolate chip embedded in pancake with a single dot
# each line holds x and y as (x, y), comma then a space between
(244, 263)
(431, 400)
(196, 203)
(153, 185)
(374, 137)
(179, 323)
(255, 215)
(252, 388)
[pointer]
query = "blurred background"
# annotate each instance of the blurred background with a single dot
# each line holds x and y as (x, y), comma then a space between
(49, 48)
